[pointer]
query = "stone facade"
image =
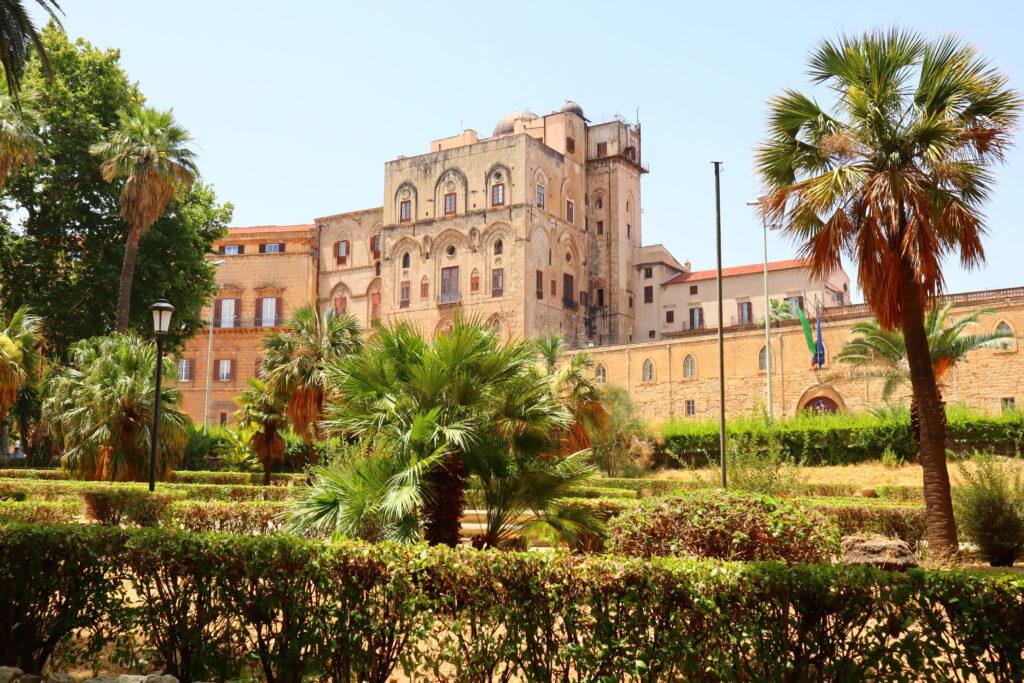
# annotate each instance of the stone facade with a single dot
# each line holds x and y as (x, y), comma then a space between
(672, 386)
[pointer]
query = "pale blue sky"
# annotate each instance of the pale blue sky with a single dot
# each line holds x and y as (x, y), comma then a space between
(296, 106)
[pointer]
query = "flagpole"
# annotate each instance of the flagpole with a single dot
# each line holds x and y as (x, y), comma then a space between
(721, 339)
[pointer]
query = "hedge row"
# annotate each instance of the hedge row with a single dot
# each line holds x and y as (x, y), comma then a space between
(56, 489)
(214, 607)
(844, 439)
(663, 487)
(179, 477)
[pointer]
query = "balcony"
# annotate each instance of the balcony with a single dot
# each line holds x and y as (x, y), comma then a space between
(449, 298)
(569, 304)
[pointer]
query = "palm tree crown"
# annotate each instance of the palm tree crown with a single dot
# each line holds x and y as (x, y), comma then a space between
(19, 355)
(19, 36)
(150, 152)
(262, 409)
(18, 140)
(296, 359)
(879, 353)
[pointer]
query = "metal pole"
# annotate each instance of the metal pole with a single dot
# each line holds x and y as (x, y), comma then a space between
(209, 371)
(767, 325)
(156, 412)
(721, 338)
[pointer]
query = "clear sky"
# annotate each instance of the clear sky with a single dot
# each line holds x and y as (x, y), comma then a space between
(296, 106)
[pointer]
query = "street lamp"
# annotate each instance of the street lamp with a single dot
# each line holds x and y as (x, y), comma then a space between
(209, 358)
(162, 311)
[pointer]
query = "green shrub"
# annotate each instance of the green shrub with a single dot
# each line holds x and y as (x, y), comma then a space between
(760, 469)
(723, 525)
(282, 609)
(989, 504)
(11, 493)
(39, 512)
(903, 522)
(112, 506)
(245, 519)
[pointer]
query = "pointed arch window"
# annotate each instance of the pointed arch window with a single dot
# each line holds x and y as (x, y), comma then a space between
(1006, 344)
(406, 260)
(474, 281)
(601, 373)
(499, 248)
(689, 367)
(762, 359)
(424, 288)
(648, 372)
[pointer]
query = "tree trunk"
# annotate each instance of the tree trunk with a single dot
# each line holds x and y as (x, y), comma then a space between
(124, 293)
(3, 438)
(266, 471)
(942, 538)
(443, 511)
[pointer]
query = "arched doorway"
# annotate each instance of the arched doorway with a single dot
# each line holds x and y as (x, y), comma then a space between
(821, 398)
(822, 404)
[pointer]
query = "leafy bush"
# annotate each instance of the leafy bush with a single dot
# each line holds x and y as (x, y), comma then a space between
(768, 470)
(282, 609)
(989, 504)
(112, 506)
(39, 512)
(245, 519)
(723, 525)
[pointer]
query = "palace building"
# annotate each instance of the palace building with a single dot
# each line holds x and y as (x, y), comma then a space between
(534, 229)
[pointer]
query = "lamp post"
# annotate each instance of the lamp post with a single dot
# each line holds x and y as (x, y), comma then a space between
(721, 325)
(162, 311)
(209, 359)
(767, 318)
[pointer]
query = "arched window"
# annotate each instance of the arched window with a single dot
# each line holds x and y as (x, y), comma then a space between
(601, 374)
(424, 288)
(498, 248)
(648, 375)
(406, 260)
(377, 269)
(474, 281)
(762, 359)
(1004, 327)
(689, 367)
(496, 326)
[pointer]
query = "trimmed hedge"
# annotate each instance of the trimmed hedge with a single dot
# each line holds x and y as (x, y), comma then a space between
(244, 519)
(845, 439)
(57, 489)
(215, 607)
(663, 487)
(40, 512)
(178, 477)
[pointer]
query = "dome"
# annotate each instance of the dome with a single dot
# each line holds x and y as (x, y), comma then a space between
(573, 107)
(507, 124)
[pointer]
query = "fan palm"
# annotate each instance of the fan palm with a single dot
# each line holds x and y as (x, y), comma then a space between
(429, 408)
(878, 353)
(295, 362)
(100, 410)
(18, 140)
(262, 410)
(577, 389)
(149, 151)
(19, 362)
(895, 175)
(19, 37)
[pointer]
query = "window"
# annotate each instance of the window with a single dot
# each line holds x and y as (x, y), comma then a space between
(631, 301)
(226, 313)
(341, 305)
(796, 303)
(568, 288)
(648, 372)
(266, 311)
(697, 318)
(602, 150)
(403, 301)
(272, 248)
(648, 272)
(629, 230)
(549, 257)
(600, 296)
(225, 370)
(745, 312)
(497, 282)
(185, 370)
(474, 281)
(570, 145)
(375, 246)
(341, 252)
(450, 251)
(689, 367)
(498, 194)
(583, 298)
(1008, 404)
(600, 227)
(1004, 328)
(540, 196)
(377, 268)
(601, 373)
(691, 407)
(554, 289)
(840, 299)
(406, 260)
(499, 248)
(649, 294)
(223, 419)
(599, 202)
(449, 204)
(405, 211)
(450, 284)
(233, 249)
(540, 284)
(762, 359)
(670, 317)
(650, 334)
(693, 289)
(424, 288)
(570, 211)
(496, 326)
(375, 306)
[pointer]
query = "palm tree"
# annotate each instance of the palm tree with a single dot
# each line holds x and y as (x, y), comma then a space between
(19, 362)
(263, 411)
(295, 361)
(100, 410)
(149, 151)
(878, 353)
(18, 140)
(577, 389)
(19, 37)
(429, 410)
(895, 176)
